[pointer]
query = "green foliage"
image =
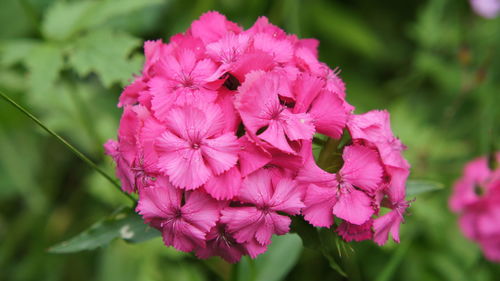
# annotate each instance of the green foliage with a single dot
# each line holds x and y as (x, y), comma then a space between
(416, 187)
(432, 63)
(105, 53)
(124, 224)
(275, 264)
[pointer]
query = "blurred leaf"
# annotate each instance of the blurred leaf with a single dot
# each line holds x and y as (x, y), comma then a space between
(44, 64)
(345, 28)
(14, 51)
(125, 224)
(415, 187)
(106, 10)
(106, 53)
(397, 257)
(64, 19)
(274, 264)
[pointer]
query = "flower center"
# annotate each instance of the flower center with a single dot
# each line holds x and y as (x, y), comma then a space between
(178, 213)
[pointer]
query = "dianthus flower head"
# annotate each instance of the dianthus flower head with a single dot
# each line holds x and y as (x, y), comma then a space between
(216, 139)
(476, 197)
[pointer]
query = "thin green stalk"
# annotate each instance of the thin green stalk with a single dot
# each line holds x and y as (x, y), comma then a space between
(67, 144)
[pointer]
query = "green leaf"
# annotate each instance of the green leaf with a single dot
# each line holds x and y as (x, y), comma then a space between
(44, 64)
(106, 53)
(307, 232)
(414, 187)
(14, 51)
(63, 19)
(109, 9)
(340, 23)
(125, 224)
(274, 264)
(397, 257)
(332, 248)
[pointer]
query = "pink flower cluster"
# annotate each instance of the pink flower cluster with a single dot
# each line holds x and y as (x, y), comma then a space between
(476, 196)
(216, 138)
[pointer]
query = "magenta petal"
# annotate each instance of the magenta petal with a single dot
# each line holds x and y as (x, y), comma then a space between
(221, 153)
(185, 168)
(272, 224)
(361, 167)
(220, 243)
(243, 222)
(353, 206)
(183, 236)
(275, 135)
(286, 197)
(388, 223)
(350, 232)
(298, 126)
(212, 26)
(254, 248)
(123, 167)
(319, 202)
(200, 210)
(329, 115)
(159, 201)
(224, 186)
(257, 188)
(163, 97)
(306, 89)
(251, 156)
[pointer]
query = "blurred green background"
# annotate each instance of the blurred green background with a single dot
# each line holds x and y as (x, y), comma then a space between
(434, 64)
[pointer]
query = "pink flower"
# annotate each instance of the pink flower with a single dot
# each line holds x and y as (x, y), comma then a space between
(374, 129)
(325, 108)
(221, 243)
(193, 148)
(352, 232)
(125, 151)
(476, 197)
(260, 108)
(183, 225)
(262, 198)
(182, 80)
(486, 8)
(220, 123)
(212, 26)
(346, 194)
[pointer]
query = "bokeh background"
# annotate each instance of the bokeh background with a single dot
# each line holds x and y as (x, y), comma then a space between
(434, 64)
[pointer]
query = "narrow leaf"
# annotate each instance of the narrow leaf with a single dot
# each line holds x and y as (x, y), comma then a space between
(414, 187)
(125, 224)
(331, 249)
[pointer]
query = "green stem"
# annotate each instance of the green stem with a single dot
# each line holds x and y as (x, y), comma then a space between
(67, 144)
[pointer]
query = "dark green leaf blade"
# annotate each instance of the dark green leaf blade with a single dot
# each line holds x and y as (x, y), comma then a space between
(415, 187)
(126, 224)
(332, 249)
